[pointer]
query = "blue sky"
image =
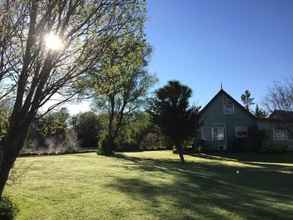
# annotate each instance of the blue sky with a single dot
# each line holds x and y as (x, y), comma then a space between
(245, 44)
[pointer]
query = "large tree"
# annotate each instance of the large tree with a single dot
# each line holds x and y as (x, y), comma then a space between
(52, 44)
(125, 81)
(247, 100)
(280, 96)
(171, 111)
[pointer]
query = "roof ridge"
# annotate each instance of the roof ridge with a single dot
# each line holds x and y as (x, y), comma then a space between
(229, 96)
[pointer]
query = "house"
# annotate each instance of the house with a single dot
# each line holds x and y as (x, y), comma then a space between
(279, 129)
(226, 125)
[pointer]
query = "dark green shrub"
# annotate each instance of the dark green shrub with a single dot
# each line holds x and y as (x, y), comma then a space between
(87, 126)
(240, 145)
(106, 147)
(257, 139)
(8, 210)
(275, 148)
(252, 143)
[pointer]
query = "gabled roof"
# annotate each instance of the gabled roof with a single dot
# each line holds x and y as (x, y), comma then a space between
(281, 115)
(222, 91)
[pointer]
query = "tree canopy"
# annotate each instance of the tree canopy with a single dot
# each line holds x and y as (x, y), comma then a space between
(125, 83)
(171, 111)
(87, 126)
(46, 47)
(260, 113)
(247, 100)
(280, 96)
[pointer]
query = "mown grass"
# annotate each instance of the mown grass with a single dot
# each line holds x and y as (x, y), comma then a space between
(154, 185)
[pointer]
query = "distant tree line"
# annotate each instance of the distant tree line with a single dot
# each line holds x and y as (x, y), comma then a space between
(58, 132)
(145, 127)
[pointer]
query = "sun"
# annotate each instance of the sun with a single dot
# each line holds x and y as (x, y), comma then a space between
(53, 41)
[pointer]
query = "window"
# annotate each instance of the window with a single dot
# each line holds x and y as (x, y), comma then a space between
(213, 133)
(228, 106)
(280, 134)
(218, 133)
(206, 133)
(241, 132)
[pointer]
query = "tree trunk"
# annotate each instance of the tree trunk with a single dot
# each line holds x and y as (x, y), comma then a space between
(109, 148)
(12, 144)
(109, 142)
(180, 150)
(7, 162)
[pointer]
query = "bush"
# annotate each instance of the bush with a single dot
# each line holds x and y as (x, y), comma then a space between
(258, 138)
(106, 147)
(241, 145)
(8, 210)
(49, 133)
(87, 126)
(252, 143)
(275, 148)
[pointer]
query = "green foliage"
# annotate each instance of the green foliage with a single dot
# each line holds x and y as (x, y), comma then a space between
(122, 81)
(137, 133)
(5, 110)
(106, 146)
(134, 131)
(247, 100)
(134, 126)
(253, 143)
(87, 126)
(275, 148)
(120, 85)
(259, 136)
(8, 210)
(37, 72)
(121, 60)
(260, 113)
(4, 115)
(171, 112)
(54, 123)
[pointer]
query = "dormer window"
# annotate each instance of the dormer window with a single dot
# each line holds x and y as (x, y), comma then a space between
(228, 106)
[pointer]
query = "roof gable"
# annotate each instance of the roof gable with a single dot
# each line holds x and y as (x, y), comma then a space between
(223, 92)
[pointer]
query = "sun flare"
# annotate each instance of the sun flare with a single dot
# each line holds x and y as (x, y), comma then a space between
(53, 42)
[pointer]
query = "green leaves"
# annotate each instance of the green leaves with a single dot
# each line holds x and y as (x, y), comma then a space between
(247, 99)
(54, 123)
(170, 110)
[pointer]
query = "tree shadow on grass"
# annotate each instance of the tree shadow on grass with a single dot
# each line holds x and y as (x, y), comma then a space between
(272, 162)
(286, 157)
(207, 191)
(8, 210)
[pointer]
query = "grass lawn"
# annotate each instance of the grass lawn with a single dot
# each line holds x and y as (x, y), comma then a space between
(154, 185)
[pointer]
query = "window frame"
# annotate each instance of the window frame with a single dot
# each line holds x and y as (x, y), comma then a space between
(213, 136)
(280, 138)
(211, 130)
(202, 131)
(224, 104)
(241, 127)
